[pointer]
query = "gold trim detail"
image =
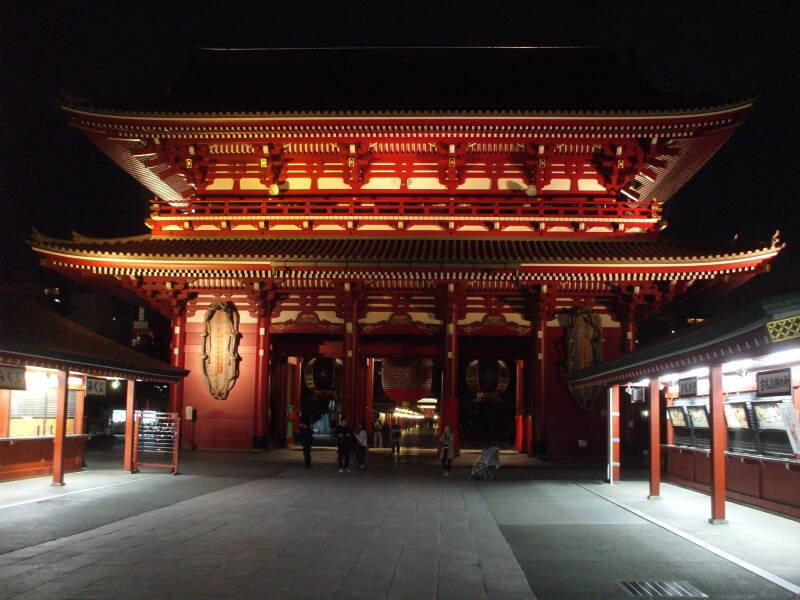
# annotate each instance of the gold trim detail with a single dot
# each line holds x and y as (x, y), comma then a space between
(784, 329)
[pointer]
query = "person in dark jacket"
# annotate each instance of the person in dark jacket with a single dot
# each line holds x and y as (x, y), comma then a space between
(344, 442)
(394, 437)
(305, 437)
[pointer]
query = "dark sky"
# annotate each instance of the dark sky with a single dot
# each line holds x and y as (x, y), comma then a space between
(53, 179)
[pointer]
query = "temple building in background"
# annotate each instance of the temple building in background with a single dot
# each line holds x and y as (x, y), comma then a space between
(466, 242)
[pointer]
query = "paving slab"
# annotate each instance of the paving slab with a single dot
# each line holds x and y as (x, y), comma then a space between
(256, 525)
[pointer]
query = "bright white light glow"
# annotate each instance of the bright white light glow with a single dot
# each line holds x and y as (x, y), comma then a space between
(114, 384)
(777, 358)
(404, 413)
(118, 416)
(738, 365)
(642, 382)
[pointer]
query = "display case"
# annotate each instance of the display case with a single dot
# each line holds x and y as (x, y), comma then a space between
(771, 426)
(682, 433)
(698, 419)
(742, 436)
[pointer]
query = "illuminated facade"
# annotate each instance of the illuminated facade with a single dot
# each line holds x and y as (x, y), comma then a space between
(530, 237)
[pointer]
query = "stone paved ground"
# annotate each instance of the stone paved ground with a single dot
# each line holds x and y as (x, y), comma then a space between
(401, 533)
(259, 526)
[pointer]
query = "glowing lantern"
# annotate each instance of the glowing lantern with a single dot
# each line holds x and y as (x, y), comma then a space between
(407, 380)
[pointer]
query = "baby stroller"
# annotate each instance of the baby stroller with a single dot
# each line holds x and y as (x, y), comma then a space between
(486, 466)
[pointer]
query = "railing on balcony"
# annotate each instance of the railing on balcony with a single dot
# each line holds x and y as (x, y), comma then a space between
(436, 208)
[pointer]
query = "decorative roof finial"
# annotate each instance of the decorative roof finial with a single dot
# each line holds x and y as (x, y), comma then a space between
(776, 238)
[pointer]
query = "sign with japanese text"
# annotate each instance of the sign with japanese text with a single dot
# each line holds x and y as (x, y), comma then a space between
(687, 387)
(12, 378)
(95, 387)
(774, 383)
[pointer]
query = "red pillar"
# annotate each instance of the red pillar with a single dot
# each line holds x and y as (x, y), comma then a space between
(519, 413)
(351, 371)
(369, 385)
(614, 455)
(59, 435)
(261, 399)
(669, 431)
(449, 412)
(177, 359)
(719, 443)
(294, 391)
(655, 440)
(538, 379)
(130, 395)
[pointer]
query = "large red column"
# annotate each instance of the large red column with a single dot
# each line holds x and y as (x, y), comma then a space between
(60, 433)
(261, 392)
(719, 443)
(293, 394)
(177, 359)
(127, 452)
(369, 385)
(449, 411)
(538, 379)
(519, 413)
(614, 455)
(655, 440)
(351, 382)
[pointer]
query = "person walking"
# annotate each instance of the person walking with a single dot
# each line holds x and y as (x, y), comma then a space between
(448, 451)
(305, 436)
(344, 441)
(362, 442)
(394, 437)
(378, 433)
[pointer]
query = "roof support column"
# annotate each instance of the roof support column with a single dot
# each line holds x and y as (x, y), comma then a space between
(261, 399)
(449, 412)
(519, 400)
(538, 379)
(177, 359)
(130, 405)
(719, 444)
(655, 439)
(60, 433)
(369, 385)
(613, 470)
(351, 370)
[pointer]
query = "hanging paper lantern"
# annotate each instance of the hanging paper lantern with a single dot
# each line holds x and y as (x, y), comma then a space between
(323, 375)
(488, 378)
(407, 380)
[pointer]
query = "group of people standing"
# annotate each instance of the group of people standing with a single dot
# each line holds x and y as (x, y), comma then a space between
(346, 441)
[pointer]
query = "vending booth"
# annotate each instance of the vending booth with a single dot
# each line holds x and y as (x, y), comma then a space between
(728, 391)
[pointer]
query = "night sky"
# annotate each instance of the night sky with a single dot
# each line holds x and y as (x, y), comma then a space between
(53, 179)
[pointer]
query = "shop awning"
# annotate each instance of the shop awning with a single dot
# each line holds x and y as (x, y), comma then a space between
(33, 335)
(768, 325)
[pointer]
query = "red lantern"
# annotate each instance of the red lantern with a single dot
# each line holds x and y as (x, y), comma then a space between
(488, 378)
(407, 380)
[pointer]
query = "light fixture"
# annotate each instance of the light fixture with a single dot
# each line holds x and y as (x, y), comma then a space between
(115, 384)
